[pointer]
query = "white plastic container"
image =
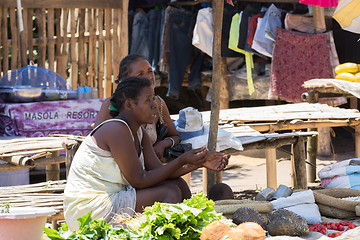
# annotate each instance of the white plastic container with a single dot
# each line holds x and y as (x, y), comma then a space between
(24, 223)
(14, 178)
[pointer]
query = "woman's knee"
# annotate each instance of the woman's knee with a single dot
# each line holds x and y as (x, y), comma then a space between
(173, 193)
(184, 187)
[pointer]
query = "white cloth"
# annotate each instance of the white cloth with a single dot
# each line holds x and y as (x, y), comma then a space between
(295, 199)
(347, 86)
(203, 33)
(309, 211)
(95, 183)
(225, 140)
(302, 203)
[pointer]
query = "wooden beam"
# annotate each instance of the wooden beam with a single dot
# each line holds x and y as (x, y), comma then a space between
(319, 19)
(271, 176)
(53, 170)
(357, 141)
(37, 163)
(271, 127)
(210, 177)
(64, 3)
(300, 181)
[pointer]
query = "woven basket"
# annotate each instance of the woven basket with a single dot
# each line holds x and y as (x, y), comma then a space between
(232, 206)
(333, 212)
(330, 197)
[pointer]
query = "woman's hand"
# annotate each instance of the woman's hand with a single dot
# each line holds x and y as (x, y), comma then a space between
(159, 149)
(216, 161)
(195, 157)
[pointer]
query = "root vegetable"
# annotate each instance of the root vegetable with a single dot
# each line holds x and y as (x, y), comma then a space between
(247, 231)
(214, 231)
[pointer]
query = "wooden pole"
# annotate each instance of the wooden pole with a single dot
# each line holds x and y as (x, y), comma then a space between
(124, 46)
(29, 35)
(70, 153)
(224, 86)
(14, 36)
(63, 56)
(210, 177)
(271, 175)
(81, 49)
(4, 38)
(53, 170)
(319, 19)
(312, 145)
(300, 181)
(51, 43)
(115, 47)
(100, 25)
(108, 57)
(22, 35)
(73, 55)
(92, 48)
(42, 37)
(357, 141)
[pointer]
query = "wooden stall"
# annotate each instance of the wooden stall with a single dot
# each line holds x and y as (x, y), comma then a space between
(81, 40)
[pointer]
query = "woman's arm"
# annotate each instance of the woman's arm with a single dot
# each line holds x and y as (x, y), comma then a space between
(126, 156)
(104, 113)
(214, 161)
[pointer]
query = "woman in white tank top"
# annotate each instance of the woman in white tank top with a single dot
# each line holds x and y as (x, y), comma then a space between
(116, 170)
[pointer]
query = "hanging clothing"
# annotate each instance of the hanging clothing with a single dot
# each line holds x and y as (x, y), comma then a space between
(140, 35)
(252, 28)
(298, 57)
(229, 12)
(259, 45)
(264, 39)
(233, 44)
(154, 17)
(347, 14)
(321, 3)
(203, 32)
(250, 10)
(95, 183)
(299, 22)
(343, 39)
(182, 50)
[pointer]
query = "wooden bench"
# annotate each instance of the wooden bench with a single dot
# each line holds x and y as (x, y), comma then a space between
(23, 153)
(45, 194)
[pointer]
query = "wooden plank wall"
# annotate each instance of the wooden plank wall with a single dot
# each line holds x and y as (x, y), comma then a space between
(82, 44)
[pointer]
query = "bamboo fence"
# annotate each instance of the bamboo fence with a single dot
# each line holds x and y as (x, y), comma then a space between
(81, 40)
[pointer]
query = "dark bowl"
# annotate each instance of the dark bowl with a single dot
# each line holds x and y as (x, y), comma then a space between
(21, 94)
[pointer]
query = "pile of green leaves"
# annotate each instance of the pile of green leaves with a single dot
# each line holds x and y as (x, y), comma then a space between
(161, 221)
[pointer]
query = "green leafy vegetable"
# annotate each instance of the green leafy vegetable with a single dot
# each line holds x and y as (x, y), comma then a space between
(5, 208)
(161, 221)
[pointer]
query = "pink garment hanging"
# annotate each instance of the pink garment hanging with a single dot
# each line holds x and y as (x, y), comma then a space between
(321, 3)
(298, 57)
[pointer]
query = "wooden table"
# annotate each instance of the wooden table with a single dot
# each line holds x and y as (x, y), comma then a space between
(31, 152)
(329, 88)
(289, 117)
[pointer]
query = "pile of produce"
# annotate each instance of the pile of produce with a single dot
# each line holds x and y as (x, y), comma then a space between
(184, 220)
(332, 229)
(348, 72)
(244, 231)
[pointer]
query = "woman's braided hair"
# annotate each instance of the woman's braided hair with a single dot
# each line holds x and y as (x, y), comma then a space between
(128, 88)
(124, 66)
